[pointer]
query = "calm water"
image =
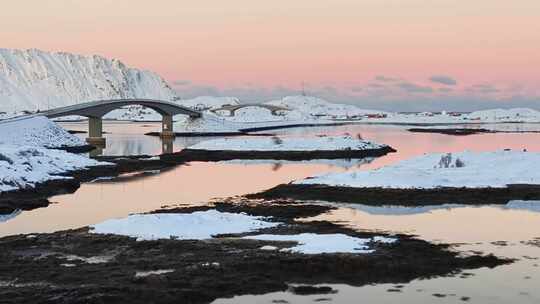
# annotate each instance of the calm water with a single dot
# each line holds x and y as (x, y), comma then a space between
(198, 182)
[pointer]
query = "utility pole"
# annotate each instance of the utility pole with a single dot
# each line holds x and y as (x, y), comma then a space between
(303, 89)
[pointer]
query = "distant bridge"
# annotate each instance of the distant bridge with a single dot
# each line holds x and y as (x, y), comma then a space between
(95, 111)
(233, 108)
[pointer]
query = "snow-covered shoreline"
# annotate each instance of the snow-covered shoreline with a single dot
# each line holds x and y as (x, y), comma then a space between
(464, 170)
(24, 167)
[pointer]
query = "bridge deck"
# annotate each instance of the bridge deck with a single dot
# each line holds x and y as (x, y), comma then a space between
(101, 107)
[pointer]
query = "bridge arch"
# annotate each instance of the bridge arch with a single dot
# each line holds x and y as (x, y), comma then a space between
(233, 108)
(95, 111)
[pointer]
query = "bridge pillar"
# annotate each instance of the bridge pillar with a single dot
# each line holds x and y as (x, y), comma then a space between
(167, 145)
(95, 131)
(167, 126)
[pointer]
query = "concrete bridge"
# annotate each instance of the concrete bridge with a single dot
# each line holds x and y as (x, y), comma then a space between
(95, 111)
(233, 108)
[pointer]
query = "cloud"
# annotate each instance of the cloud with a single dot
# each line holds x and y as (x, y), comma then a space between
(414, 88)
(356, 88)
(399, 96)
(446, 80)
(483, 89)
(385, 79)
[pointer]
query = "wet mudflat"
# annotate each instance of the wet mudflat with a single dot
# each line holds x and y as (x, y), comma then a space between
(484, 229)
(71, 265)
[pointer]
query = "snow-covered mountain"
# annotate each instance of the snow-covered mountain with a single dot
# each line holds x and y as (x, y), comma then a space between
(34, 79)
(311, 106)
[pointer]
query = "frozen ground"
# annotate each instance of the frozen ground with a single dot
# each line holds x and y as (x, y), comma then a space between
(23, 167)
(36, 131)
(323, 143)
(465, 169)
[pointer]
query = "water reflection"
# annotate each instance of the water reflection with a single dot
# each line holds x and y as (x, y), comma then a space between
(346, 163)
(490, 229)
(126, 138)
(480, 227)
(7, 217)
(194, 183)
(198, 182)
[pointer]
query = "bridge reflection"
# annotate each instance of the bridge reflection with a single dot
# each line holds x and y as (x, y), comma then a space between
(167, 146)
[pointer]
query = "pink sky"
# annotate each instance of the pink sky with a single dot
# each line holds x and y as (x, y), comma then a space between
(338, 43)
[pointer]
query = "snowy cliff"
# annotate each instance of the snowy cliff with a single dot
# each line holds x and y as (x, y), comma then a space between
(34, 79)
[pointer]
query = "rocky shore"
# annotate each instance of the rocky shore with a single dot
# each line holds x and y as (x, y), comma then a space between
(377, 196)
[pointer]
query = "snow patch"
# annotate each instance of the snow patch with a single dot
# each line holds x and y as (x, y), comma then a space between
(311, 243)
(143, 274)
(90, 260)
(197, 225)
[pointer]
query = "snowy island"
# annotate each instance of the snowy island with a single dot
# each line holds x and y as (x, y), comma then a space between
(285, 148)
(459, 178)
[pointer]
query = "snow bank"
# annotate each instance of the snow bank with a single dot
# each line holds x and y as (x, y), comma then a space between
(36, 131)
(311, 243)
(197, 225)
(325, 143)
(34, 79)
(23, 166)
(480, 170)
